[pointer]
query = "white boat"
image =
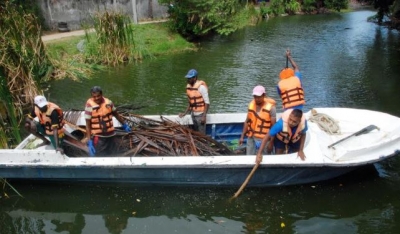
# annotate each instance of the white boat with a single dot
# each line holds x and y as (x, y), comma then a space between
(321, 163)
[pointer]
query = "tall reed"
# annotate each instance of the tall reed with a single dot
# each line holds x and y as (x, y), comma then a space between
(23, 65)
(4, 183)
(9, 118)
(23, 58)
(112, 42)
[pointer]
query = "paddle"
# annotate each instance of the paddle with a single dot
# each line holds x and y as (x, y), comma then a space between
(287, 61)
(246, 181)
(362, 131)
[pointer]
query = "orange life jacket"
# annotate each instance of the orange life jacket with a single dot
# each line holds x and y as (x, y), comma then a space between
(196, 100)
(101, 121)
(286, 73)
(292, 92)
(259, 123)
(286, 134)
(45, 120)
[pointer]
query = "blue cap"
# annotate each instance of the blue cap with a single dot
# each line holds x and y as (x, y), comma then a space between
(191, 73)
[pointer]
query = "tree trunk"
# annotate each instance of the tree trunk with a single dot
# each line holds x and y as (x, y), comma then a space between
(151, 9)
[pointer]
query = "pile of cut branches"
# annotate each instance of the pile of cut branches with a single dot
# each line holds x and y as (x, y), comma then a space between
(161, 138)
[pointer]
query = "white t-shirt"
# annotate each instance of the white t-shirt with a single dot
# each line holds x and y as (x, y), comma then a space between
(204, 92)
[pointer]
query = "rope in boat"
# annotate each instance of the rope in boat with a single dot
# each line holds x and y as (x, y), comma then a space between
(325, 122)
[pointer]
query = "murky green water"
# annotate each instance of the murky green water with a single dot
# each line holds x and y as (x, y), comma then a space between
(346, 62)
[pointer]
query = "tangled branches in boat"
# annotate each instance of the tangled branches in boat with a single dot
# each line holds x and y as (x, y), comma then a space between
(151, 137)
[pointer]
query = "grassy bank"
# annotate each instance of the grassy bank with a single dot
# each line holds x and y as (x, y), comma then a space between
(157, 39)
(150, 40)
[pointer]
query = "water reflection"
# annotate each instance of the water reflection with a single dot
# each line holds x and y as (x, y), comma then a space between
(37, 222)
(111, 208)
(366, 222)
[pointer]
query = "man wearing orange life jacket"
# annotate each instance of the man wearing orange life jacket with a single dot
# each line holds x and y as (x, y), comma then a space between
(51, 122)
(289, 131)
(289, 87)
(197, 92)
(261, 116)
(99, 112)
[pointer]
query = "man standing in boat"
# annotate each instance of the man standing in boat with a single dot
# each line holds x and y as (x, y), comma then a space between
(51, 122)
(261, 115)
(289, 87)
(99, 113)
(197, 92)
(288, 134)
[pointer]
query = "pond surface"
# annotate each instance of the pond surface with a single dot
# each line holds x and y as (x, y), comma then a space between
(345, 61)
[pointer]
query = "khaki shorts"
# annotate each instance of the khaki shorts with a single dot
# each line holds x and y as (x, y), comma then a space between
(251, 148)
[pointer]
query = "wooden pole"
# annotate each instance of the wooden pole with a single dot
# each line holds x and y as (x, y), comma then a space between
(134, 11)
(246, 181)
(50, 14)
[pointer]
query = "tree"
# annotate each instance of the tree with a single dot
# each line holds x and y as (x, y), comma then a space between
(383, 7)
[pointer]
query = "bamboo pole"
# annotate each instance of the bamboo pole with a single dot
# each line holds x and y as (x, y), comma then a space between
(246, 181)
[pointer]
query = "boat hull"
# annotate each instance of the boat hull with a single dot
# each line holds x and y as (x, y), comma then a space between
(322, 162)
(265, 176)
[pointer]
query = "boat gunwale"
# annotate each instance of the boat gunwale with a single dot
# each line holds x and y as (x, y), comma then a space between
(85, 163)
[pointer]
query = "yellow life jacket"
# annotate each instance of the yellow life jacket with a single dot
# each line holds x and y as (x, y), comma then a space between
(101, 121)
(45, 119)
(259, 123)
(196, 100)
(292, 92)
(286, 134)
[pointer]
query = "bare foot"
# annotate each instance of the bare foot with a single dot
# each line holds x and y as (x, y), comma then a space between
(43, 144)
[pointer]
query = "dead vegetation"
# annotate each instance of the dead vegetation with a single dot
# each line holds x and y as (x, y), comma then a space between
(149, 138)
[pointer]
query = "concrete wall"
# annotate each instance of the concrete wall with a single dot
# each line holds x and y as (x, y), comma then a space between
(76, 12)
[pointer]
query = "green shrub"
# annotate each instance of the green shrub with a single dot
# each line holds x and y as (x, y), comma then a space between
(309, 6)
(292, 6)
(336, 4)
(202, 17)
(277, 7)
